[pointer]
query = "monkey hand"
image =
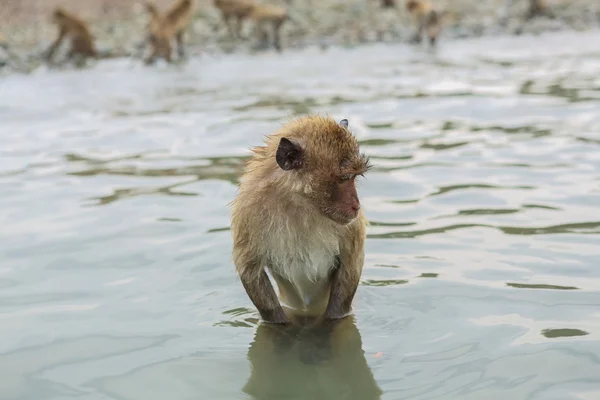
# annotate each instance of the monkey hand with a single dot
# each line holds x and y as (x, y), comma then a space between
(276, 317)
(331, 314)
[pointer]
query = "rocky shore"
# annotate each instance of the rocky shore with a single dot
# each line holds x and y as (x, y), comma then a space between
(118, 25)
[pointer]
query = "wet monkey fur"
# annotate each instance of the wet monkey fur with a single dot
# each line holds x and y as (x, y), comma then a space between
(71, 27)
(164, 27)
(298, 216)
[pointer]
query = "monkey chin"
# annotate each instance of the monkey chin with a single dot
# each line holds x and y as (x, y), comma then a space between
(343, 217)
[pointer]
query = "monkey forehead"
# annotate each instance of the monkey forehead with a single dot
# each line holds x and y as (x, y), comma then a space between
(321, 132)
(324, 140)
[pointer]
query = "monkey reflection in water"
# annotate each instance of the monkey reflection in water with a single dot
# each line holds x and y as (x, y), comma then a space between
(322, 362)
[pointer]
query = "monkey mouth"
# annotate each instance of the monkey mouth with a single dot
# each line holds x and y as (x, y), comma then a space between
(344, 218)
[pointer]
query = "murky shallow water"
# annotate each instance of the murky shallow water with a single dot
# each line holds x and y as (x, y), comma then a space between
(481, 277)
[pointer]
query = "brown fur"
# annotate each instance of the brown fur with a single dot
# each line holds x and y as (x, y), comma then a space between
(427, 20)
(73, 28)
(538, 8)
(265, 14)
(164, 27)
(235, 9)
(295, 214)
(261, 14)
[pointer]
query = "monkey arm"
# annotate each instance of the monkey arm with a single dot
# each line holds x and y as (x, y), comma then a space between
(261, 292)
(346, 275)
(344, 282)
(265, 299)
(56, 43)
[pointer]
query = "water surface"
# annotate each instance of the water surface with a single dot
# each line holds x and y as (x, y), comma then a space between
(481, 278)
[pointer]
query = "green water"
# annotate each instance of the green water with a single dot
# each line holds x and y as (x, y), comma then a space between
(482, 273)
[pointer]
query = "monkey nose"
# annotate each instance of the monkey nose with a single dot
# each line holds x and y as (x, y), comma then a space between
(355, 207)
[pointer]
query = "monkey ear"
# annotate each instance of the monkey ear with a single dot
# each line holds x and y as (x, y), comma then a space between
(289, 155)
(344, 123)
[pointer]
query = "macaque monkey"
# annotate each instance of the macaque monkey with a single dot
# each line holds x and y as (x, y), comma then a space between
(264, 15)
(164, 27)
(297, 215)
(426, 19)
(235, 9)
(538, 8)
(73, 28)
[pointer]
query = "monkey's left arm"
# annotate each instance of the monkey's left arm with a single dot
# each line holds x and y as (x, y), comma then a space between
(346, 274)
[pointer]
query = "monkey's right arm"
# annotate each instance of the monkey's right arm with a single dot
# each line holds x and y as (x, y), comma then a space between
(250, 267)
(262, 295)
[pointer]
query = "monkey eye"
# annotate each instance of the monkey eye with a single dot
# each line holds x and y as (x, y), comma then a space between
(346, 177)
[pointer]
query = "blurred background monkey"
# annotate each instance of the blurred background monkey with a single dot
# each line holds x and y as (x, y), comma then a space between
(538, 8)
(76, 30)
(265, 17)
(165, 27)
(234, 11)
(426, 19)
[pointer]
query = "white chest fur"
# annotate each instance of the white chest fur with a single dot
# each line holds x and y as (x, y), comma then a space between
(302, 255)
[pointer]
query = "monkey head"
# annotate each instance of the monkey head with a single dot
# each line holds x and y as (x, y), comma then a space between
(319, 160)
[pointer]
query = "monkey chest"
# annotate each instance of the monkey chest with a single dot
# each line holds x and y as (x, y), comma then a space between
(303, 276)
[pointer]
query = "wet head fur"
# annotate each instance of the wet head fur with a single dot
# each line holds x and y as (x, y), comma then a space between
(328, 156)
